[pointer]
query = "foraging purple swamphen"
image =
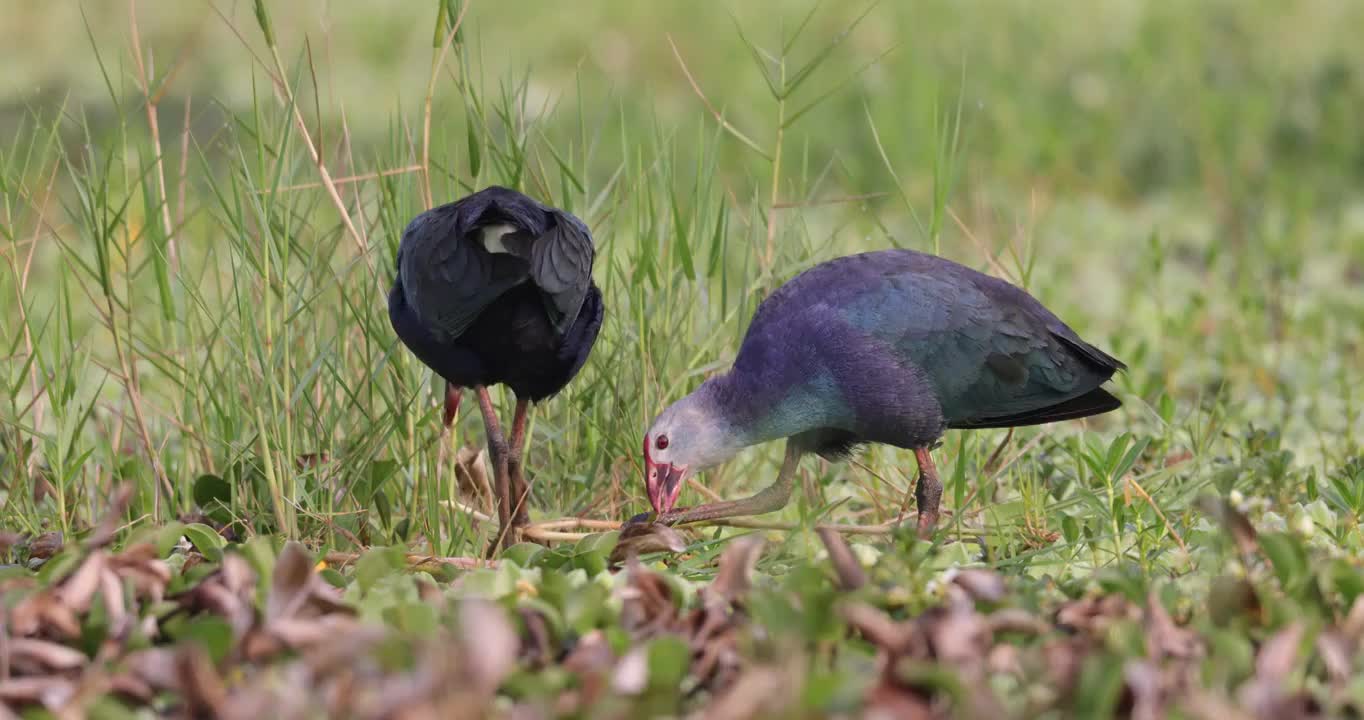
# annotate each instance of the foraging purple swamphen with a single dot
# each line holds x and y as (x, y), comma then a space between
(891, 347)
(496, 288)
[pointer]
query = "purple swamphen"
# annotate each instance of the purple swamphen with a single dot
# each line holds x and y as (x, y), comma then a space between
(891, 347)
(497, 288)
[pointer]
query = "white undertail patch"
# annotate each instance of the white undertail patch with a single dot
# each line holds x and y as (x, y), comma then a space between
(491, 237)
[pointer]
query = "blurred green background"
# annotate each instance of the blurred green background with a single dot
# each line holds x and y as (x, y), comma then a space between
(1179, 181)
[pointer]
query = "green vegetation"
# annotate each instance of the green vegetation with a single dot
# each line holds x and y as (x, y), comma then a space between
(199, 210)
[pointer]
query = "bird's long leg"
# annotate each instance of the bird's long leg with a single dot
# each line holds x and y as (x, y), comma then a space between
(767, 500)
(497, 448)
(520, 491)
(453, 395)
(928, 493)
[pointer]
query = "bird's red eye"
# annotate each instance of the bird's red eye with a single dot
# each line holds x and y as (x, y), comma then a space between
(662, 442)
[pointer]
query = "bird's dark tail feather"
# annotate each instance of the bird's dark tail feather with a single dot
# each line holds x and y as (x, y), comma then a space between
(1094, 402)
(1099, 358)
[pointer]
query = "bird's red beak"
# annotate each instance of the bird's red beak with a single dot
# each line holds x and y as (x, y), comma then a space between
(663, 481)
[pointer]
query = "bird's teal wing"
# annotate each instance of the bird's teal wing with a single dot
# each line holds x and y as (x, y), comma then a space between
(989, 349)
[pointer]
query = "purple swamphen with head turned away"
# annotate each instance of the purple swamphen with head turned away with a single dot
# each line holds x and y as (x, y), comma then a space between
(891, 347)
(497, 288)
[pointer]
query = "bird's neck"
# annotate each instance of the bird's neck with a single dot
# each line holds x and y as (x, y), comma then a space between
(758, 410)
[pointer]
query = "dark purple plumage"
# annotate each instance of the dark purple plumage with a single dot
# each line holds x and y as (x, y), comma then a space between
(897, 346)
(526, 315)
(492, 289)
(892, 347)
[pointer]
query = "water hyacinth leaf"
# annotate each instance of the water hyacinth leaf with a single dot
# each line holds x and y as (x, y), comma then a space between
(592, 552)
(1100, 686)
(206, 540)
(210, 491)
(417, 618)
(522, 553)
(376, 564)
(1288, 558)
(168, 536)
(668, 659)
(212, 633)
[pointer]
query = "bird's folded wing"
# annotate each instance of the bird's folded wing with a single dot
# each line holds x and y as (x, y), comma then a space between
(561, 266)
(449, 280)
(989, 350)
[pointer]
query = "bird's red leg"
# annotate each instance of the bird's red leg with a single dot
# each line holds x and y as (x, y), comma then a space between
(453, 395)
(520, 491)
(497, 448)
(927, 494)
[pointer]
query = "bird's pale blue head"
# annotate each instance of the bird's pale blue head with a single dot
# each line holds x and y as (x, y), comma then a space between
(691, 435)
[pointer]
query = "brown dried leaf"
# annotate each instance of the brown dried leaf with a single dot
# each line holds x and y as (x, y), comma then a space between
(1353, 626)
(536, 650)
(111, 589)
(878, 628)
(149, 577)
(34, 656)
(9, 539)
(1063, 659)
(850, 574)
(647, 601)
(1335, 651)
(154, 666)
(108, 526)
(1163, 637)
(290, 582)
(1234, 521)
(732, 580)
(1264, 694)
(131, 688)
(1277, 656)
(236, 576)
(1096, 614)
(590, 660)
(1016, 620)
(490, 644)
(303, 633)
(960, 638)
(889, 702)
(641, 538)
(1144, 684)
(200, 685)
(326, 599)
(50, 691)
(759, 692)
(1212, 706)
(1005, 659)
(980, 584)
(78, 590)
(632, 672)
(471, 476)
(43, 612)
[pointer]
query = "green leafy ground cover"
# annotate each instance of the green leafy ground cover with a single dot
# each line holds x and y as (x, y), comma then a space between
(222, 487)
